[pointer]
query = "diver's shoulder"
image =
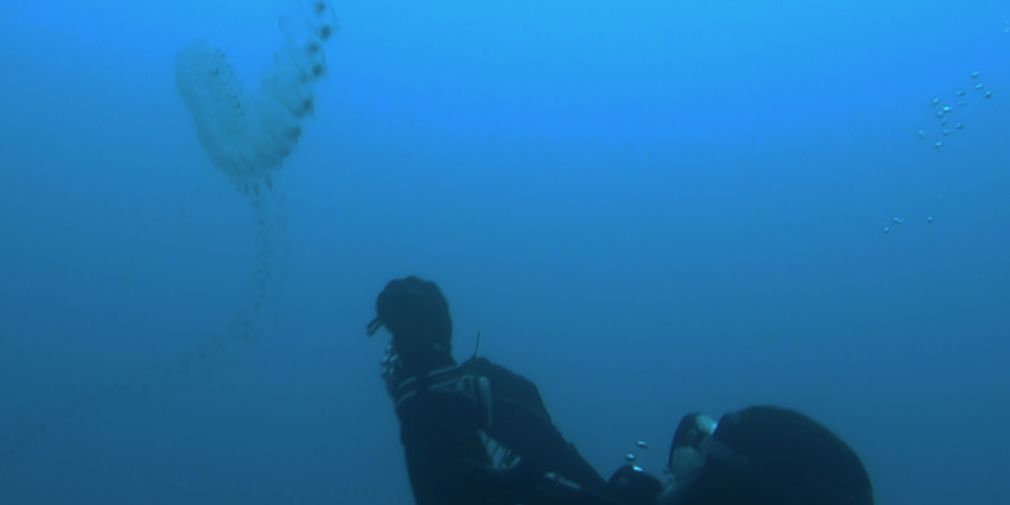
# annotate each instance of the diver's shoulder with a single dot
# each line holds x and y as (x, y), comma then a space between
(483, 366)
(501, 377)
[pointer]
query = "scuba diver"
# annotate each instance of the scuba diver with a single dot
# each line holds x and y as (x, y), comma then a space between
(473, 433)
(761, 455)
(476, 433)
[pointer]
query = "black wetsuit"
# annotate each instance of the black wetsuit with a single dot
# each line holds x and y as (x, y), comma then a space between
(450, 417)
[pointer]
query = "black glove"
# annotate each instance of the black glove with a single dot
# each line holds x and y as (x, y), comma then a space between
(632, 486)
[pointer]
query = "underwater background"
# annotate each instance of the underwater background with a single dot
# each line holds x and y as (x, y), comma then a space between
(647, 207)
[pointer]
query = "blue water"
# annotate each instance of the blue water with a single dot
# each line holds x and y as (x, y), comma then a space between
(649, 208)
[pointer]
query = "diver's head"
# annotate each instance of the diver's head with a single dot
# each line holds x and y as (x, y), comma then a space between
(416, 314)
(766, 456)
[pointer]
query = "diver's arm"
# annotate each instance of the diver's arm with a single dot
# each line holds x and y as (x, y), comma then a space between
(556, 490)
(522, 422)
